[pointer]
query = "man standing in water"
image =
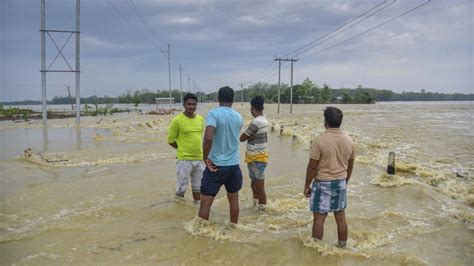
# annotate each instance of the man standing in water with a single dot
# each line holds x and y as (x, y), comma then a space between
(185, 135)
(256, 155)
(221, 155)
(330, 165)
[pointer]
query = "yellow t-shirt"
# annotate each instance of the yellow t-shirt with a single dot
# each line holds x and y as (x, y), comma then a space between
(187, 133)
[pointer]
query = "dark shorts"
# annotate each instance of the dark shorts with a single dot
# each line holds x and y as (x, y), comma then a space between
(229, 176)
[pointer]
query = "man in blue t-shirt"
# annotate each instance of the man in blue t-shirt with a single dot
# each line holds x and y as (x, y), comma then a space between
(221, 155)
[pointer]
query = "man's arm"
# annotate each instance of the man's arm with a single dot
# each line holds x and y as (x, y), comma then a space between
(311, 171)
(350, 165)
(244, 137)
(249, 132)
(206, 148)
(173, 134)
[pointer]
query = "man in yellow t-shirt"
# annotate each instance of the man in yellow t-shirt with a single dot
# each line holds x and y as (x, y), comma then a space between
(185, 134)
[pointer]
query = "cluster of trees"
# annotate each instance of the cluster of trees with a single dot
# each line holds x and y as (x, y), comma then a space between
(306, 92)
(309, 92)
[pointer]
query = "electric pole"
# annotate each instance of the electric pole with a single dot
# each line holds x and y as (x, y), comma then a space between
(279, 59)
(44, 31)
(189, 84)
(78, 57)
(168, 51)
(241, 94)
(180, 83)
(291, 85)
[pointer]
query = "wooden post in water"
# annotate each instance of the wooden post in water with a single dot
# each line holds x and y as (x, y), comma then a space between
(293, 136)
(391, 163)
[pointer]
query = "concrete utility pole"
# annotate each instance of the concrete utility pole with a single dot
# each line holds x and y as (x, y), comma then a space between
(189, 84)
(168, 51)
(279, 59)
(180, 83)
(291, 85)
(45, 70)
(241, 94)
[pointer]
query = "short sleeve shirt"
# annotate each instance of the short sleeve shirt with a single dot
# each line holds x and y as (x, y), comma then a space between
(187, 133)
(332, 149)
(225, 145)
(257, 146)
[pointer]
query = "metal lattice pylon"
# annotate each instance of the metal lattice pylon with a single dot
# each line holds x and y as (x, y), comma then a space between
(45, 70)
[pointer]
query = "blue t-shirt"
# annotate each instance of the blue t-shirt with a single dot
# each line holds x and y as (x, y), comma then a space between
(225, 146)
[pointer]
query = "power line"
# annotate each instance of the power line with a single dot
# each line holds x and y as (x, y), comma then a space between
(260, 73)
(337, 28)
(364, 32)
(135, 10)
(355, 36)
(133, 25)
(326, 37)
(321, 41)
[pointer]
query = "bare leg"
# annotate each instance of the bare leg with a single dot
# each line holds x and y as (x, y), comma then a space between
(341, 227)
(262, 197)
(233, 206)
(205, 208)
(197, 196)
(318, 225)
(253, 185)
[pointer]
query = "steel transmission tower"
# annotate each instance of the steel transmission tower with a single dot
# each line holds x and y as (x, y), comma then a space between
(45, 70)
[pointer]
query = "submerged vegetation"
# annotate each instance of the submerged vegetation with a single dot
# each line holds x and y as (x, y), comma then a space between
(15, 113)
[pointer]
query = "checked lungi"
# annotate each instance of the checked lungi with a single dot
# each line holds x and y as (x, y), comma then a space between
(328, 196)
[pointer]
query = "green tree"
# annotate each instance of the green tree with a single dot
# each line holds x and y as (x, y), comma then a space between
(347, 97)
(305, 90)
(136, 100)
(326, 94)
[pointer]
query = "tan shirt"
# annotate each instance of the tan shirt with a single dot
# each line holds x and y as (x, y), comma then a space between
(332, 149)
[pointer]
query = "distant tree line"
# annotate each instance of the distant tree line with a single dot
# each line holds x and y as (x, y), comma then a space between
(306, 92)
(310, 92)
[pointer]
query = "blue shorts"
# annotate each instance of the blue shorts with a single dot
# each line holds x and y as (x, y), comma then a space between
(229, 176)
(257, 170)
(328, 196)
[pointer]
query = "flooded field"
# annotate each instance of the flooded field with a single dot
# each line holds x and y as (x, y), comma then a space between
(104, 192)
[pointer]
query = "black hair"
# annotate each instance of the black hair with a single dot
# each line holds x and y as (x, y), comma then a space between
(189, 96)
(225, 95)
(257, 103)
(333, 116)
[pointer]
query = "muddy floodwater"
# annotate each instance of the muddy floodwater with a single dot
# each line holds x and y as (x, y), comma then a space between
(103, 193)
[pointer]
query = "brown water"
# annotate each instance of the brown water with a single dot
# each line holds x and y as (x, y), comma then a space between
(103, 193)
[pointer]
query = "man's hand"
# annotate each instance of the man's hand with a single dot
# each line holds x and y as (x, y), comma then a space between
(307, 192)
(211, 166)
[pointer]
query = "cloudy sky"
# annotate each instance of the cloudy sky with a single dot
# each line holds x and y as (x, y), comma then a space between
(227, 42)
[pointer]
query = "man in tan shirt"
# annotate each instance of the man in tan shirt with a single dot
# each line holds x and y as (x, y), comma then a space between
(329, 169)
